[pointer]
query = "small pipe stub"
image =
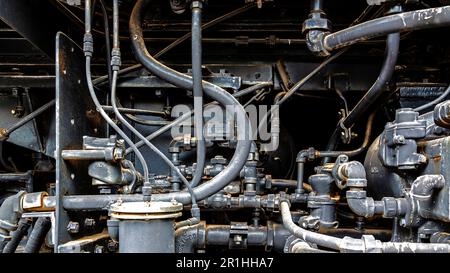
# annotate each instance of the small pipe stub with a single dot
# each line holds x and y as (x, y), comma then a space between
(146, 210)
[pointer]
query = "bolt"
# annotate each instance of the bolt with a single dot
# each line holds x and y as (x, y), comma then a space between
(73, 227)
(89, 222)
(99, 249)
(237, 239)
(112, 246)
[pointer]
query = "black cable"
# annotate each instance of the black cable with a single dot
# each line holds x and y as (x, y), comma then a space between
(88, 50)
(115, 67)
(435, 101)
(107, 41)
(405, 21)
(187, 115)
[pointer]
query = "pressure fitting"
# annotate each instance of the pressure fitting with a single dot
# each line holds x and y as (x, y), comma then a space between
(316, 27)
(441, 114)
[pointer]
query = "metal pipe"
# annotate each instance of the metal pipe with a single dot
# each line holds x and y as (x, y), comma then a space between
(196, 47)
(183, 81)
(306, 235)
(392, 49)
(357, 151)
(6, 132)
(17, 235)
(88, 49)
(187, 115)
(103, 79)
(406, 21)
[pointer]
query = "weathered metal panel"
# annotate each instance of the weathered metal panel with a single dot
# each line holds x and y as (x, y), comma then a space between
(75, 117)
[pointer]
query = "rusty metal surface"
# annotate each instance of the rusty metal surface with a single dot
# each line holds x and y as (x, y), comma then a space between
(75, 117)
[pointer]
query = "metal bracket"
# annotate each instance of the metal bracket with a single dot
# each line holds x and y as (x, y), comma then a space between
(50, 215)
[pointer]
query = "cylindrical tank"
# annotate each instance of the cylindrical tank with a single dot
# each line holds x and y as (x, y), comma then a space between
(146, 227)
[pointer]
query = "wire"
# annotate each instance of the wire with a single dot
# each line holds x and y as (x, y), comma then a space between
(123, 120)
(96, 101)
(107, 41)
(179, 120)
(435, 101)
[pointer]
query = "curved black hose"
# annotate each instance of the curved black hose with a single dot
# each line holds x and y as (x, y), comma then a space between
(412, 20)
(243, 128)
(37, 236)
(392, 49)
(387, 70)
(17, 235)
(357, 151)
(126, 123)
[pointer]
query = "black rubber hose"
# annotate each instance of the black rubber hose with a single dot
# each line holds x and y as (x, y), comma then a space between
(37, 236)
(196, 48)
(107, 41)
(124, 121)
(392, 49)
(243, 128)
(17, 235)
(406, 21)
(387, 70)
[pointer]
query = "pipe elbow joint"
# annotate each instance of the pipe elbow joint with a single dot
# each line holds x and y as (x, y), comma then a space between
(353, 173)
(360, 204)
(424, 186)
(189, 237)
(304, 155)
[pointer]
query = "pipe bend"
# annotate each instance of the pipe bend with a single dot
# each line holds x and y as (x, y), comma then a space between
(361, 206)
(189, 237)
(423, 186)
(183, 81)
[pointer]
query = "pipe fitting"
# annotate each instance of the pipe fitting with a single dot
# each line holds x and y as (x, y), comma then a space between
(190, 237)
(10, 213)
(424, 186)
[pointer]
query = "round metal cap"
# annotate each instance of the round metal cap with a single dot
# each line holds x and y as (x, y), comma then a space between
(146, 210)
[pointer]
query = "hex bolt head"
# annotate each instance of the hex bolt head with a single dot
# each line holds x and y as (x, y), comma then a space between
(73, 227)
(218, 159)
